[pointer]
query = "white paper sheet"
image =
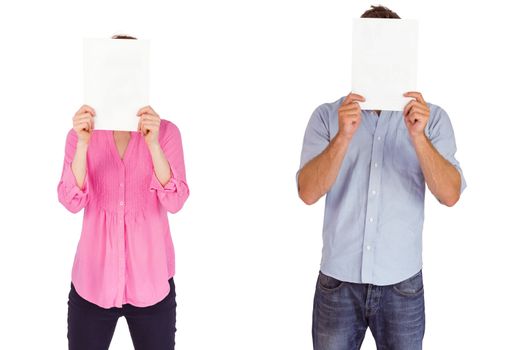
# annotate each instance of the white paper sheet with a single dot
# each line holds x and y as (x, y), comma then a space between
(116, 81)
(384, 61)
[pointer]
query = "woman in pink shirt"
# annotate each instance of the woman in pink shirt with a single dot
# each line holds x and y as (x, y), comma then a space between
(126, 182)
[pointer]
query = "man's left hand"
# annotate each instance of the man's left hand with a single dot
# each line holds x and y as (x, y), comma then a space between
(416, 114)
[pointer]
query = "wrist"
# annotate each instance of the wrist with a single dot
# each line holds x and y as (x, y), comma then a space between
(81, 144)
(153, 145)
(342, 139)
(419, 139)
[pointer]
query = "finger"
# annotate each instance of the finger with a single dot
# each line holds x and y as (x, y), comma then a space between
(351, 97)
(418, 111)
(150, 122)
(415, 94)
(144, 114)
(82, 115)
(148, 116)
(413, 118)
(352, 106)
(139, 124)
(409, 120)
(86, 108)
(83, 126)
(85, 119)
(146, 109)
(145, 126)
(416, 105)
(351, 118)
(408, 106)
(151, 126)
(143, 110)
(140, 127)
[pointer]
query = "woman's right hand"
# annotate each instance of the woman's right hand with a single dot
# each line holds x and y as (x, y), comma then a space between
(83, 123)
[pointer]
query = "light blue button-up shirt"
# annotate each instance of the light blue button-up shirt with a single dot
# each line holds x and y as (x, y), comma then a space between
(373, 221)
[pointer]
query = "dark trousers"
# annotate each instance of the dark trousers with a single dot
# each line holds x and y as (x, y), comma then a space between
(91, 327)
(343, 311)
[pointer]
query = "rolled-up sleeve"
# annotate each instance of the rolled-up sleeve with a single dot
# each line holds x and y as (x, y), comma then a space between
(316, 138)
(73, 197)
(441, 135)
(174, 193)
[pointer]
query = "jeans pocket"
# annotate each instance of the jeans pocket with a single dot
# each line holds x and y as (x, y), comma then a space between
(328, 283)
(412, 286)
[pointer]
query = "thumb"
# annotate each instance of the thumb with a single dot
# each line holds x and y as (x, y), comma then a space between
(351, 97)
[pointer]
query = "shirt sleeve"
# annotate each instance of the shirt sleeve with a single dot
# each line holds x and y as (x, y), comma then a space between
(173, 195)
(316, 138)
(441, 135)
(73, 197)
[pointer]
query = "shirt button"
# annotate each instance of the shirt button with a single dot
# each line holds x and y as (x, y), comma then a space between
(121, 203)
(379, 138)
(367, 247)
(121, 184)
(371, 219)
(375, 164)
(373, 191)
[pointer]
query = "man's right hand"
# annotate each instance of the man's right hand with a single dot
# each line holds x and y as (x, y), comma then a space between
(83, 123)
(350, 115)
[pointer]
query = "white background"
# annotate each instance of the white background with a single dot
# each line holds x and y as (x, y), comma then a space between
(240, 79)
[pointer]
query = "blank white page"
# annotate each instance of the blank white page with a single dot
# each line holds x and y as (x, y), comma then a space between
(116, 81)
(384, 61)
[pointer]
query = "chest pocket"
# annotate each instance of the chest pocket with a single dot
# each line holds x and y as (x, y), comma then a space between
(404, 157)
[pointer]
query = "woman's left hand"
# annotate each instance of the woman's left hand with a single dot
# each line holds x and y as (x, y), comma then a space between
(149, 124)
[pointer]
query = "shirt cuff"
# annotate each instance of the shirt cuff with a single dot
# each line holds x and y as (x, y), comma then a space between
(463, 181)
(170, 187)
(70, 184)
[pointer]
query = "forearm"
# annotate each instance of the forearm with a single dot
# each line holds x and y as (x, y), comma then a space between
(442, 178)
(79, 163)
(318, 175)
(160, 163)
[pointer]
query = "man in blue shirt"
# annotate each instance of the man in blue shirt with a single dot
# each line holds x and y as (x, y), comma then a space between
(373, 167)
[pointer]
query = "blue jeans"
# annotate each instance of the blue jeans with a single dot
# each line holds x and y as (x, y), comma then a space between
(343, 311)
(91, 327)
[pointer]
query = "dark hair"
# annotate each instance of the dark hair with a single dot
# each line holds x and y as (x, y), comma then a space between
(379, 12)
(123, 36)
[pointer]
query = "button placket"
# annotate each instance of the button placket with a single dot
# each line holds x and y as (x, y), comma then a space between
(372, 207)
(121, 207)
(120, 235)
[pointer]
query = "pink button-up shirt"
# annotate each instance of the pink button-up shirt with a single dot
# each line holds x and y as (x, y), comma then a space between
(125, 253)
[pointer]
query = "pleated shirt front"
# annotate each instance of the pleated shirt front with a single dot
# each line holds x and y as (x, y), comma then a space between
(125, 253)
